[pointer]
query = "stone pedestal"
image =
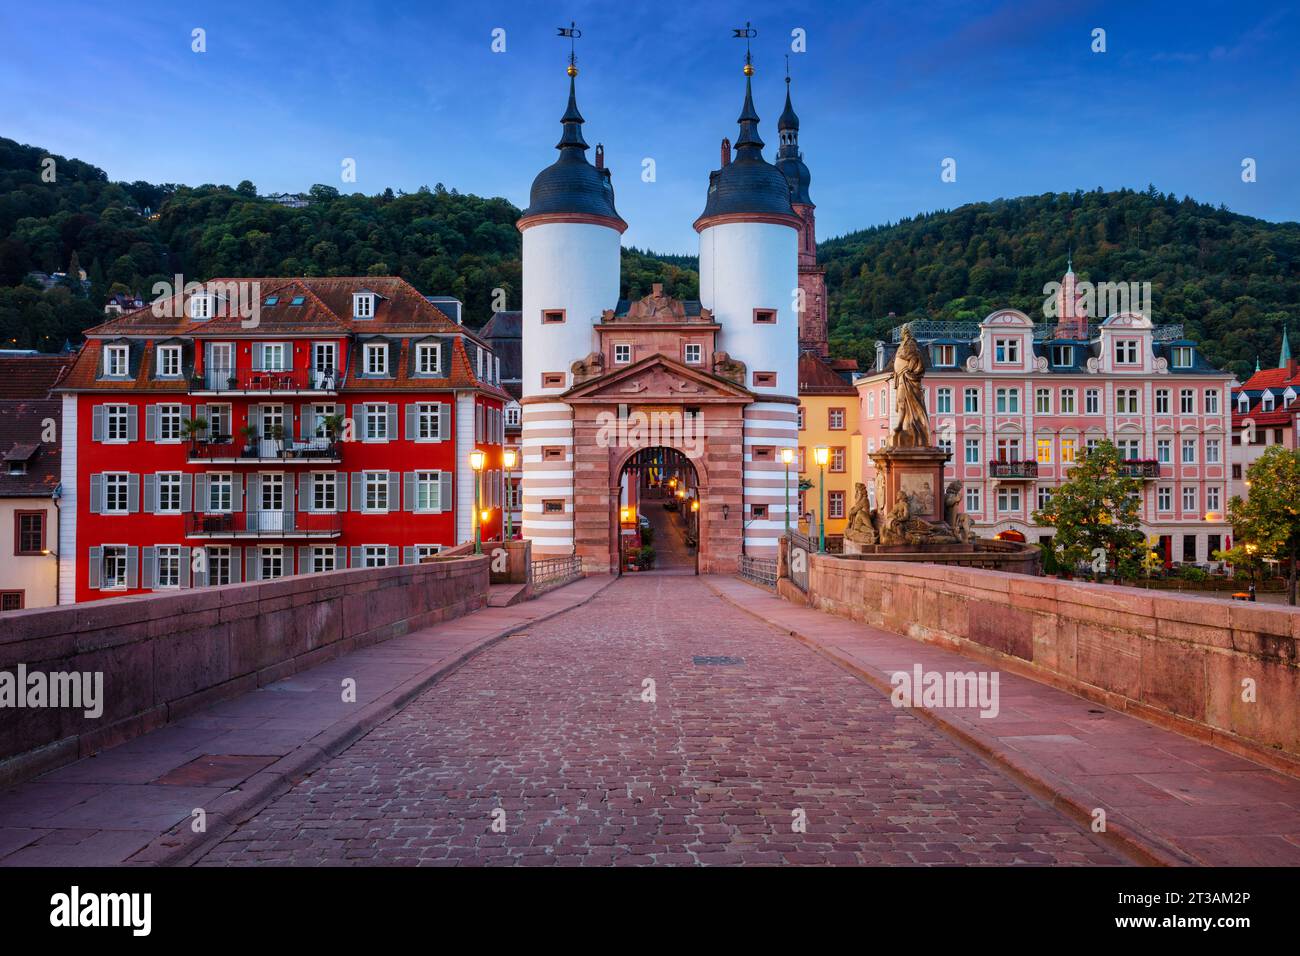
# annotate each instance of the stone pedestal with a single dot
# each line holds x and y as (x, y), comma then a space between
(916, 471)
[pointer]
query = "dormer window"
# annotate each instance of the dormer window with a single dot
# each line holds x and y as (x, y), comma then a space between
(1267, 401)
(169, 361)
(426, 359)
(202, 306)
(943, 355)
(1182, 356)
(1006, 351)
(1126, 352)
(376, 358)
(1063, 355)
(1243, 403)
(363, 305)
(117, 360)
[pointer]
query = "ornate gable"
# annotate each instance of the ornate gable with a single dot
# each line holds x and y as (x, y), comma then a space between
(657, 379)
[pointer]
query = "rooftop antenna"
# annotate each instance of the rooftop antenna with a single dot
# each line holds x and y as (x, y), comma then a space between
(746, 33)
(573, 33)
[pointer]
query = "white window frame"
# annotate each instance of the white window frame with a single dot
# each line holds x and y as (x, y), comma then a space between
(1165, 451)
(1126, 352)
(117, 418)
(1187, 401)
(375, 358)
(324, 492)
(1067, 401)
(974, 499)
(363, 305)
(374, 555)
(1092, 401)
(119, 481)
(622, 353)
(972, 451)
(173, 415)
(376, 414)
(423, 365)
(322, 555)
(1042, 401)
(1006, 351)
(694, 353)
(221, 487)
(943, 401)
(1189, 499)
(175, 479)
(1165, 499)
(169, 355)
(1188, 453)
(1182, 356)
(171, 553)
(374, 488)
(428, 488)
(944, 356)
(1213, 452)
(120, 554)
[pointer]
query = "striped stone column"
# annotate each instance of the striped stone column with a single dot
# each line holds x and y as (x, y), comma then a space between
(547, 424)
(775, 425)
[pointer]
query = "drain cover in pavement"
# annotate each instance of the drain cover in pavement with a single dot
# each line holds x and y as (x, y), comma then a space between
(719, 661)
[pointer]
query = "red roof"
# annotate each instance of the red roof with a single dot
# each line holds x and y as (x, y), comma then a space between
(818, 377)
(32, 376)
(22, 434)
(1273, 378)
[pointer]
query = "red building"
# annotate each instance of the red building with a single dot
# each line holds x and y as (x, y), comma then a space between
(249, 429)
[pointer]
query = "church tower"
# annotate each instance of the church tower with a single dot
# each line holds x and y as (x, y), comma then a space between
(813, 334)
(749, 246)
(571, 235)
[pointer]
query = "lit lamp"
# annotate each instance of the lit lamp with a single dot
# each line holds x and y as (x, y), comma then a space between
(476, 458)
(787, 456)
(821, 455)
(625, 515)
(509, 458)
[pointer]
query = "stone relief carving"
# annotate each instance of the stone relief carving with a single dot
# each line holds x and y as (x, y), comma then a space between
(590, 367)
(724, 366)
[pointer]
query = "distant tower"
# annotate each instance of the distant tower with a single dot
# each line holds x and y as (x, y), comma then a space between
(1071, 319)
(749, 277)
(1284, 359)
(571, 268)
(813, 334)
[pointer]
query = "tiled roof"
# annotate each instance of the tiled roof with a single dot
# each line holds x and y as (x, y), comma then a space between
(504, 333)
(1278, 416)
(503, 325)
(22, 426)
(816, 377)
(1273, 378)
(31, 376)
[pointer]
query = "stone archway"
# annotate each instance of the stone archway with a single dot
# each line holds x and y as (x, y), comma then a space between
(674, 508)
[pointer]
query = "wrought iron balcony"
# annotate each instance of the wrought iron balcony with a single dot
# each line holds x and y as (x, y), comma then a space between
(1014, 470)
(228, 451)
(235, 381)
(1146, 468)
(264, 524)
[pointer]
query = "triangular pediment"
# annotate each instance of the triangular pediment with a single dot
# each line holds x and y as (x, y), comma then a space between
(657, 378)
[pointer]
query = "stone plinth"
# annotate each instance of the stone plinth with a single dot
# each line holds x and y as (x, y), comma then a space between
(916, 471)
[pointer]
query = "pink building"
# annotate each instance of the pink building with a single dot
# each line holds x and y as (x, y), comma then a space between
(1016, 404)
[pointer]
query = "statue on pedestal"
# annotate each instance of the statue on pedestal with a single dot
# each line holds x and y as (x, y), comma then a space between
(912, 429)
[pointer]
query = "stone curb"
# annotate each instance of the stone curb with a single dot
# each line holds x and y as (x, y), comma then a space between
(182, 847)
(1132, 840)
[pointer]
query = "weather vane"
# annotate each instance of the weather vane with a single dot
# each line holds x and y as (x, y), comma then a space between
(746, 33)
(573, 33)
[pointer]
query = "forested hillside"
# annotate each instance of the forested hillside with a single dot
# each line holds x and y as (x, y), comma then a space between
(1234, 281)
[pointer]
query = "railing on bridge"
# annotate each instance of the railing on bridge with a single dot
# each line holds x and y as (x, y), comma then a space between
(758, 570)
(552, 572)
(798, 563)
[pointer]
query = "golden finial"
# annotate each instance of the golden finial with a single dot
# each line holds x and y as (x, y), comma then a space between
(746, 33)
(571, 70)
(749, 69)
(572, 33)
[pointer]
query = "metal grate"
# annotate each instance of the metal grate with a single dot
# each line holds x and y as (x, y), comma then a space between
(718, 661)
(758, 570)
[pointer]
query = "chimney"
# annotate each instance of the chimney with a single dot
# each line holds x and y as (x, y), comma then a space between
(600, 156)
(726, 151)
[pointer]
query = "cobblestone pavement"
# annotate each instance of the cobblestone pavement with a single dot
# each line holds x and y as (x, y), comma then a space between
(549, 732)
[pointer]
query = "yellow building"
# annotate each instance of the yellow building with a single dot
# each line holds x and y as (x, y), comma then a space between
(828, 418)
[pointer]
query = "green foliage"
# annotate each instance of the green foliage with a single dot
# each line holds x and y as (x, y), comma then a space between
(1190, 572)
(1095, 513)
(645, 558)
(1267, 523)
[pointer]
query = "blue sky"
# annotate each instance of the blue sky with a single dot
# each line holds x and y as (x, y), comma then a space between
(886, 91)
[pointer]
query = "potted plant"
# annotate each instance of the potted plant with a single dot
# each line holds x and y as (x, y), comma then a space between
(645, 558)
(250, 438)
(333, 425)
(191, 428)
(276, 434)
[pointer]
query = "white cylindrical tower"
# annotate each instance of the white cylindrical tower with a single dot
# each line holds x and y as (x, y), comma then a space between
(571, 235)
(749, 279)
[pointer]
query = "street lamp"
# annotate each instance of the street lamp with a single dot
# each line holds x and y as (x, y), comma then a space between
(476, 462)
(821, 454)
(508, 459)
(787, 456)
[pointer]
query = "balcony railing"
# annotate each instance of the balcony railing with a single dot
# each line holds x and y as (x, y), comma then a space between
(222, 379)
(266, 449)
(1026, 470)
(1140, 468)
(264, 524)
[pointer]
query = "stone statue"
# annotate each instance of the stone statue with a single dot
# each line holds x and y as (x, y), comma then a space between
(861, 523)
(957, 519)
(724, 366)
(912, 429)
(590, 367)
(901, 526)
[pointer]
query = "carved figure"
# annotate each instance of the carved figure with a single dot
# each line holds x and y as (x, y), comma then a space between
(590, 367)
(861, 525)
(724, 366)
(912, 430)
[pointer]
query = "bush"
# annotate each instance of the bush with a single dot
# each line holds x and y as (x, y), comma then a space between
(1190, 572)
(645, 558)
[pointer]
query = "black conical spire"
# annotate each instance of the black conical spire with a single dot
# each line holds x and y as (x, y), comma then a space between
(748, 140)
(572, 120)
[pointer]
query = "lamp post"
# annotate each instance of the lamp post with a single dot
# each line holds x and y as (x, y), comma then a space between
(476, 462)
(509, 459)
(787, 456)
(821, 454)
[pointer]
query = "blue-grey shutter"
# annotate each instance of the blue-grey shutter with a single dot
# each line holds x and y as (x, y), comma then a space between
(151, 494)
(149, 579)
(132, 423)
(358, 490)
(259, 357)
(201, 411)
(340, 557)
(236, 492)
(132, 494)
(184, 569)
(444, 358)
(392, 422)
(392, 554)
(236, 565)
(304, 491)
(304, 560)
(252, 567)
(445, 501)
(307, 422)
(356, 556)
(408, 554)
(340, 491)
(95, 565)
(187, 496)
(132, 567)
(254, 496)
(444, 427)
(394, 491)
(96, 494)
(97, 423)
(412, 426)
(408, 491)
(151, 423)
(202, 497)
(201, 572)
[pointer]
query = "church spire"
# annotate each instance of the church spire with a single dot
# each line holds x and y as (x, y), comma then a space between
(572, 120)
(1285, 358)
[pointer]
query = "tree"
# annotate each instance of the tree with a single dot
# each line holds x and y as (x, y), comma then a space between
(1095, 514)
(1269, 518)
